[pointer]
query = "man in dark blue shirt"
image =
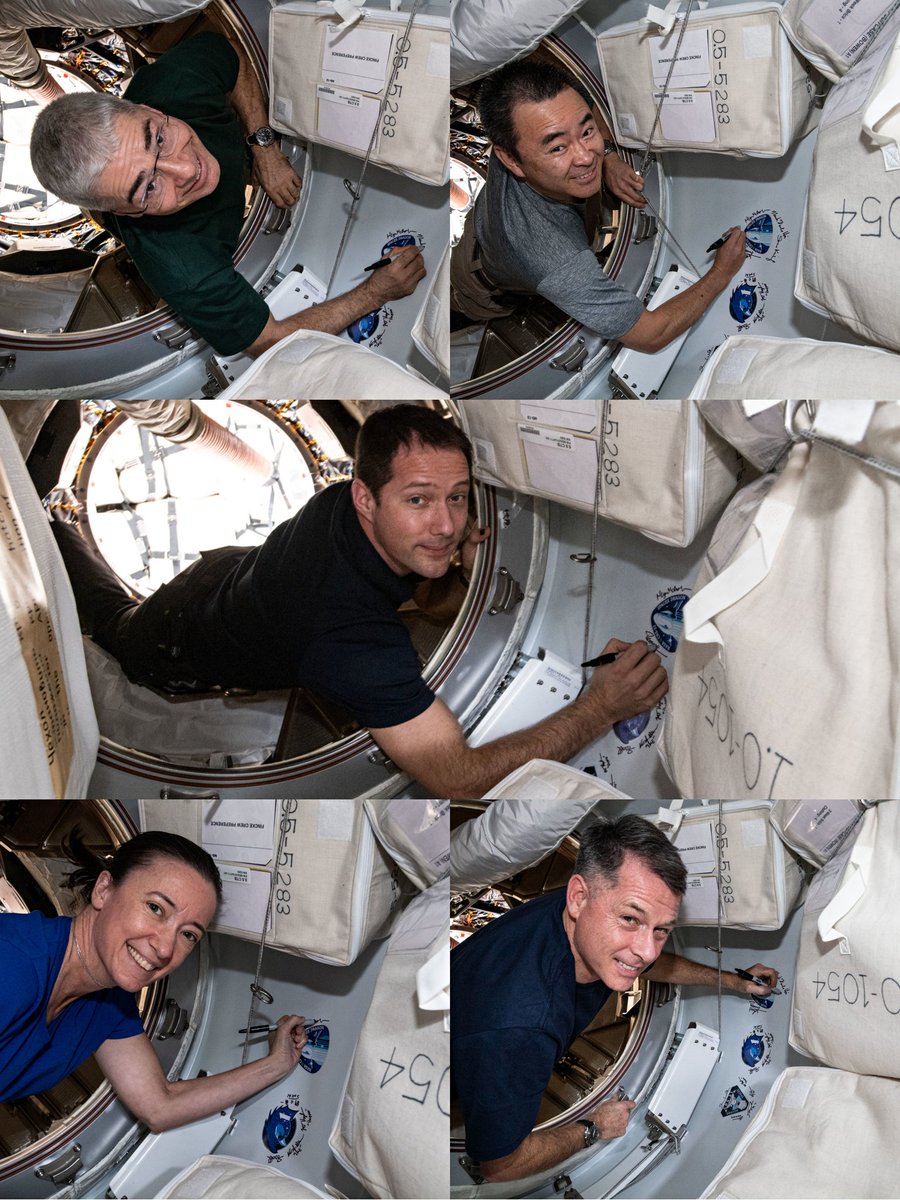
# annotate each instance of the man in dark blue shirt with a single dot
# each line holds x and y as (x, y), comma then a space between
(526, 985)
(316, 605)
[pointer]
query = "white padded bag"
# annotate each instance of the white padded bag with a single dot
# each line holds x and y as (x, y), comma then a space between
(488, 33)
(834, 36)
(319, 366)
(847, 986)
(531, 811)
(768, 695)
(738, 87)
(815, 829)
(662, 471)
(416, 834)
(431, 331)
(746, 381)
(220, 1177)
(849, 256)
(821, 1135)
(325, 89)
(760, 880)
(336, 890)
(47, 721)
(391, 1131)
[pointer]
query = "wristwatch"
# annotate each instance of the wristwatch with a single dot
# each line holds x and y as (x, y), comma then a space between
(609, 147)
(264, 136)
(591, 1132)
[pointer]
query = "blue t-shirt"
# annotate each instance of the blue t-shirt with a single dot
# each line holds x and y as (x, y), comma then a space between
(33, 1055)
(516, 1010)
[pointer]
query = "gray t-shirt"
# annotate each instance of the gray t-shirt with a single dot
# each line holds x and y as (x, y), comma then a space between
(532, 244)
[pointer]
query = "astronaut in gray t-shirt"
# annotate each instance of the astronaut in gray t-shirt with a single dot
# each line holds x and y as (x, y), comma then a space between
(526, 233)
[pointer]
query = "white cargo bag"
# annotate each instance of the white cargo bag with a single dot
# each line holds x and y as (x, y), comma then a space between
(738, 86)
(847, 987)
(205, 731)
(328, 79)
(760, 879)
(821, 1135)
(220, 1177)
(47, 722)
(815, 829)
(335, 888)
(834, 36)
(416, 834)
(319, 366)
(391, 1131)
(488, 33)
(768, 695)
(849, 256)
(661, 470)
(431, 331)
(746, 381)
(534, 809)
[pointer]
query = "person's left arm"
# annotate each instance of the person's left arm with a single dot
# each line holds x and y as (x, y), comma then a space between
(441, 599)
(618, 177)
(271, 169)
(673, 968)
(135, 1075)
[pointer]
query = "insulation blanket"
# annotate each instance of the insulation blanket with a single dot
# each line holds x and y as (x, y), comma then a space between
(220, 1177)
(320, 366)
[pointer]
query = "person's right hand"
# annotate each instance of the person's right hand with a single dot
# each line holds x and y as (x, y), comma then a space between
(611, 1117)
(730, 256)
(400, 277)
(635, 682)
(286, 1043)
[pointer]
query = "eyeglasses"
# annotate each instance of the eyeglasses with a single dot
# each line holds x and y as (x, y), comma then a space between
(165, 145)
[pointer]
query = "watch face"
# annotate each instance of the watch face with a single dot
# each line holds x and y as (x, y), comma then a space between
(264, 136)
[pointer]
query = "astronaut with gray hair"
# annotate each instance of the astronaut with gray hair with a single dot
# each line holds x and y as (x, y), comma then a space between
(167, 165)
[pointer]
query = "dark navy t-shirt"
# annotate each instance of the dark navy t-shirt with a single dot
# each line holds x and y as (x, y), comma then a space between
(33, 1055)
(516, 1010)
(315, 606)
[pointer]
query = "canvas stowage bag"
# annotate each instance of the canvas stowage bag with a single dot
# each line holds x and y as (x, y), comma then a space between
(738, 87)
(739, 872)
(821, 1135)
(834, 35)
(328, 79)
(48, 724)
(846, 999)
(815, 829)
(661, 470)
(747, 381)
(335, 888)
(416, 835)
(849, 256)
(768, 695)
(391, 1130)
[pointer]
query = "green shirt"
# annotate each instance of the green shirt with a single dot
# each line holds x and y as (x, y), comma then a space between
(187, 256)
